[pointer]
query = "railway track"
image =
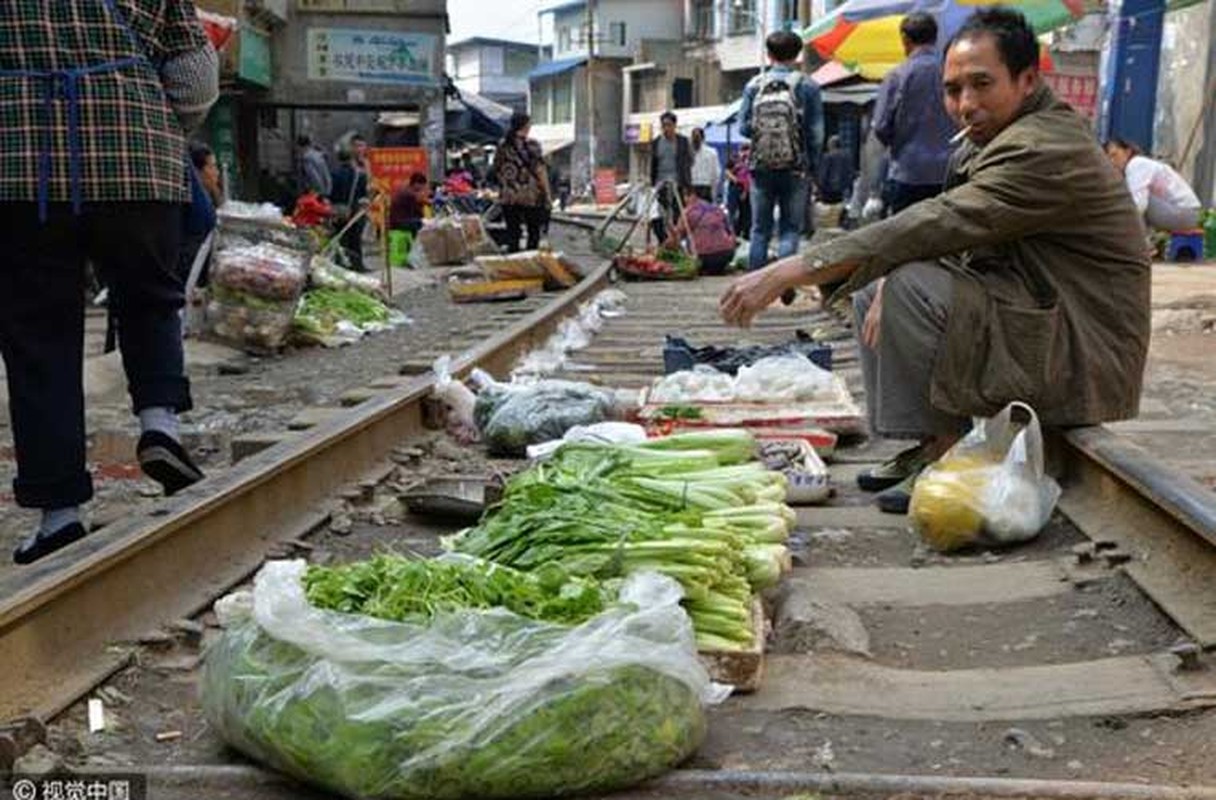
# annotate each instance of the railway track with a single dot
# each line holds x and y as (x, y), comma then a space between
(893, 670)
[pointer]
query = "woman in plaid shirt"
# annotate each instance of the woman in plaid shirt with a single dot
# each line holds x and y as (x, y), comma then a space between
(95, 99)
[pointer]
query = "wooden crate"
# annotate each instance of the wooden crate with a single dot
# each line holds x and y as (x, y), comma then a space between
(488, 291)
(743, 669)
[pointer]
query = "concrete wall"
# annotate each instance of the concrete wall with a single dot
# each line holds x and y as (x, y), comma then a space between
(643, 19)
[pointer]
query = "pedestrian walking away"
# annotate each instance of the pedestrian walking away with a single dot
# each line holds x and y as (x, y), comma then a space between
(111, 195)
(523, 183)
(911, 120)
(1025, 280)
(782, 114)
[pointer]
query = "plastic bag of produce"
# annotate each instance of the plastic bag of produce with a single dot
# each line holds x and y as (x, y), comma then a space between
(325, 274)
(245, 321)
(442, 241)
(701, 384)
(784, 379)
(512, 416)
(472, 704)
(265, 271)
(989, 489)
(476, 239)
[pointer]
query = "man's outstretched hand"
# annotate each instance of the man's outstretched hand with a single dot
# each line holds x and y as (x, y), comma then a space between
(756, 291)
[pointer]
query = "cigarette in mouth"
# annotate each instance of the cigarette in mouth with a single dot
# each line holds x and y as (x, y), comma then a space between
(958, 137)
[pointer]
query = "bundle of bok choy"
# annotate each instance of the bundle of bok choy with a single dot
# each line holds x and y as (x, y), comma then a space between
(691, 507)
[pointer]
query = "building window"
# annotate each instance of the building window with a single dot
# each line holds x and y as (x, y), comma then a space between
(563, 100)
(563, 39)
(703, 20)
(616, 34)
(789, 14)
(741, 17)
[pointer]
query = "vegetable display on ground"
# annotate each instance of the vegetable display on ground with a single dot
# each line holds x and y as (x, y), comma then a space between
(460, 702)
(694, 507)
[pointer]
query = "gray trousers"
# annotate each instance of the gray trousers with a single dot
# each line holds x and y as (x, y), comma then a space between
(1163, 215)
(898, 373)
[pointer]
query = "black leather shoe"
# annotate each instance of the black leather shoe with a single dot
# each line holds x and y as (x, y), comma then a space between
(42, 545)
(165, 461)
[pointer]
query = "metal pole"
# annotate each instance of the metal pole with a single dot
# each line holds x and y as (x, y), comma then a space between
(591, 131)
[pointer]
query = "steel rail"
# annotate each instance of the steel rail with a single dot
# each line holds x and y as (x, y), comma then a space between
(64, 620)
(250, 781)
(1157, 523)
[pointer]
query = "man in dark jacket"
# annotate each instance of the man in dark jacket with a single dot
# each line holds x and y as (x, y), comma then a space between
(670, 171)
(836, 173)
(911, 121)
(1026, 279)
(108, 186)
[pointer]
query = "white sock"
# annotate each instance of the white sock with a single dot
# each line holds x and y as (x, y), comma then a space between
(160, 418)
(54, 519)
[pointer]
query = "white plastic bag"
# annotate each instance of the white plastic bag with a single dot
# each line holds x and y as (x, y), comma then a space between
(459, 400)
(701, 384)
(472, 704)
(989, 489)
(600, 432)
(784, 379)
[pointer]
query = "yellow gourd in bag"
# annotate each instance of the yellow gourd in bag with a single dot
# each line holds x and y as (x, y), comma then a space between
(945, 509)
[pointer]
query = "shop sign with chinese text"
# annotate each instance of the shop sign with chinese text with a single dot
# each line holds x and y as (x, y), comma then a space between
(371, 56)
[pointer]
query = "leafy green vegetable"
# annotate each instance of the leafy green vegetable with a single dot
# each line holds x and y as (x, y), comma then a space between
(730, 445)
(468, 704)
(612, 510)
(402, 589)
(322, 309)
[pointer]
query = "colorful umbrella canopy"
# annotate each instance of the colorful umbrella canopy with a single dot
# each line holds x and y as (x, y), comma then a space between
(864, 34)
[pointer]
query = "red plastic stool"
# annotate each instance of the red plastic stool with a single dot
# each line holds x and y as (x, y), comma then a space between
(1185, 246)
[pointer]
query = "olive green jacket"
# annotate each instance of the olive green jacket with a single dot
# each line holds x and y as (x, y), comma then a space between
(1051, 275)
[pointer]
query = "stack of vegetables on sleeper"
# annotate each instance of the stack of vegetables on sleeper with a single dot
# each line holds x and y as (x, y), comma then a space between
(552, 649)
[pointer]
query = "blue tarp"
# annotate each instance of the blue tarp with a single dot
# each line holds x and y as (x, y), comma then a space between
(724, 135)
(551, 68)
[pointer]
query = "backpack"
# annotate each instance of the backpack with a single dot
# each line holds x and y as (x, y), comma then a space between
(777, 123)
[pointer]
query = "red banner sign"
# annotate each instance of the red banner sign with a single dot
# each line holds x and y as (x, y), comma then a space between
(605, 187)
(1079, 91)
(393, 166)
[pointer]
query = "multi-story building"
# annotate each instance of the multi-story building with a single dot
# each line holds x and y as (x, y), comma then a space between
(493, 68)
(701, 74)
(246, 75)
(575, 99)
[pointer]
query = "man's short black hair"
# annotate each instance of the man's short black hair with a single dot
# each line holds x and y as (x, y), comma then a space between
(1015, 39)
(668, 116)
(919, 28)
(303, 140)
(417, 179)
(199, 153)
(783, 45)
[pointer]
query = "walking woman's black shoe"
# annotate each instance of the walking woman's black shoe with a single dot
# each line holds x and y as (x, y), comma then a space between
(165, 461)
(41, 545)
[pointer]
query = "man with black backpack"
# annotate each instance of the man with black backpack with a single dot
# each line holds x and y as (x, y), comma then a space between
(782, 114)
